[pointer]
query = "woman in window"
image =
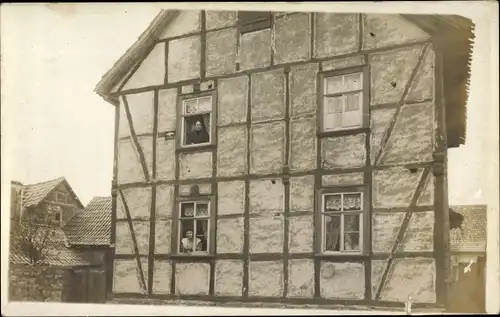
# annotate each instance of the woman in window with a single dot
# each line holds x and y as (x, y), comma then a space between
(187, 243)
(198, 133)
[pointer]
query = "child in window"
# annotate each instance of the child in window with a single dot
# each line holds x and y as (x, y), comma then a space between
(187, 243)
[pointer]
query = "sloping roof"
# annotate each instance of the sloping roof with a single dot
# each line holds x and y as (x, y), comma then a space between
(455, 34)
(91, 226)
(473, 236)
(57, 253)
(34, 194)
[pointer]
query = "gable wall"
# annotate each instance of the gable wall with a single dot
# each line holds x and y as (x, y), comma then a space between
(266, 117)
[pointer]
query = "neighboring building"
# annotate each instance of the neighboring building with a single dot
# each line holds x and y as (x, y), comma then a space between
(53, 201)
(287, 157)
(468, 247)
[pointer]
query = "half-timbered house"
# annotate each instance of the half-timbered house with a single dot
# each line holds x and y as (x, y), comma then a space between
(287, 156)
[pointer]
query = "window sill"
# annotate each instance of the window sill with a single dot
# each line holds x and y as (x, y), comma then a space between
(325, 134)
(200, 148)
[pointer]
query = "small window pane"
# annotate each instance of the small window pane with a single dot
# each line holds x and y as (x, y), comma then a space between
(351, 241)
(333, 85)
(353, 102)
(57, 216)
(352, 202)
(205, 104)
(190, 106)
(201, 209)
(333, 104)
(202, 234)
(352, 82)
(187, 210)
(351, 223)
(333, 203)
(332, 233)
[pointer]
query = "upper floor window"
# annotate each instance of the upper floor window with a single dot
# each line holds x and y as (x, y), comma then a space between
(194, 227)
(197, 121)
(54, 214)
(342, 215)
(343, 101)
(251, 21)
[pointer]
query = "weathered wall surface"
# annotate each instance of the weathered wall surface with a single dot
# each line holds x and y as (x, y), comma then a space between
(266, 115)
(35, 283)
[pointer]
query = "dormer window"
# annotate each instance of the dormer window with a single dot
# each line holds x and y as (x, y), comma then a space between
(251, 21)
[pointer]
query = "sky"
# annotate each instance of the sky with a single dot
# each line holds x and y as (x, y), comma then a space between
(54, 55)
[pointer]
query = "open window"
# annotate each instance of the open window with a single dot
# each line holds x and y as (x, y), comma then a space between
(342, 217)
(54, 214)
(194, 227)
(196, 120)
(343, 101)
(251, 21)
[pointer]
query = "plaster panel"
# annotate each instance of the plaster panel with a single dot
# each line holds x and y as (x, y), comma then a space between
(184, 57)
(123, 126)
(385, 228)
(427, 195)
(232, 151)
(141, 108)
(266, 196)
(301, 193)
(390, 73)
(343, 179)
(151, 72)
(411, 277)
(301, 234)
(267, 145)
(265, 278)
(420, 234)
(379, 120)
(255, 49)
(340, 63)
(162, 276)
(146, 144)
(303, 144)
(195, 165)
(411, 140)
(186, 273)
(162, 236)
(138, 201)
(230, 235)
(188, 21)
(232, 100)
(394, 187)
(383, 30)
(301, 278)
(165, 159)
(342, 280)
(129, 165)
(231, 197)
(221, 52)
(228, 278)
(267, 98)
(220, 19)
(423, 85)
(343, 151)
(126, 276)
(203, 189)
(303, 89)
(292, 40)
(164, 201)
(336, 34)
(266, 234)
(167, 109)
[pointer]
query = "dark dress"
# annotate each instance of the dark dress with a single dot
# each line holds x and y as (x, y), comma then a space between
(197, 137)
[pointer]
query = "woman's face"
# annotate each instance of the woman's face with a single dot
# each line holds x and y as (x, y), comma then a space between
(189, 234)
(197, 126)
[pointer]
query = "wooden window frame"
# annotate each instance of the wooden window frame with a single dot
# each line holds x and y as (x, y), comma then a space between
(180, 120)
(176, 221)
(365, 218)
(365, 90)
(254, 25)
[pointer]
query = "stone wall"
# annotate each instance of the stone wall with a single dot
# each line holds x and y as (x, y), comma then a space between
(35, 283)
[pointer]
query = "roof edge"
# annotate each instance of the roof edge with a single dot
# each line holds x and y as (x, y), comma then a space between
(134, 53)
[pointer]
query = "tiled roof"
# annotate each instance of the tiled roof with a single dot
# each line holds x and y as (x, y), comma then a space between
(35, 193)
(57, 253)
(473, 236)
(91, 226)
(99, 204)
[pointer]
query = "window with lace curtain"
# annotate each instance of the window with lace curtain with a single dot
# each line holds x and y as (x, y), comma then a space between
(343, 100)
(342, 220)
(197, 120)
